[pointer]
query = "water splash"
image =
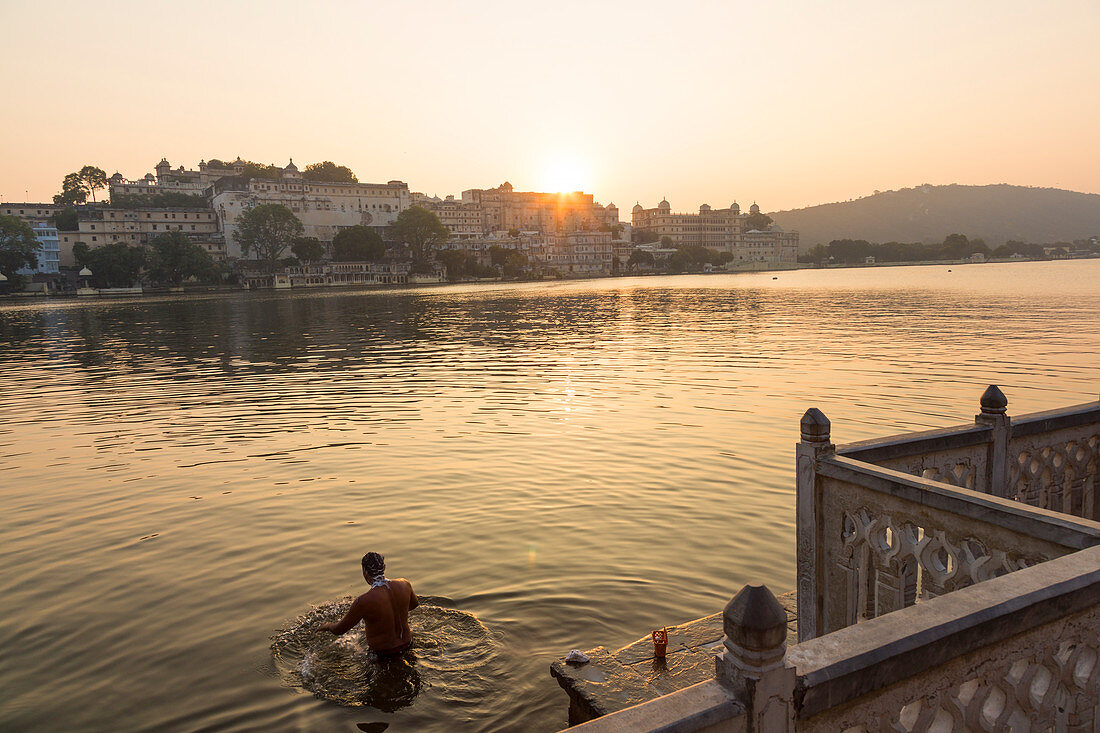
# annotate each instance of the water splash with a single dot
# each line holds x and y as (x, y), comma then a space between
(452, 653)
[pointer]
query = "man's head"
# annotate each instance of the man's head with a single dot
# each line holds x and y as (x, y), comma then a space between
(374, 566)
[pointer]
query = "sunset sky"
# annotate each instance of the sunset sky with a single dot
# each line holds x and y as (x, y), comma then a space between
(788, 104)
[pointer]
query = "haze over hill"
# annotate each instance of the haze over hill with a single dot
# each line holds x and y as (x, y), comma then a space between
(927, 213)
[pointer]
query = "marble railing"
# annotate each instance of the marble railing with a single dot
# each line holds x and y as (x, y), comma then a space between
(1016, 653)
(923, 604)
(879, 530)
(1047, 459)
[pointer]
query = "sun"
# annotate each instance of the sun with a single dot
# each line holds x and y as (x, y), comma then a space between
(563, 172)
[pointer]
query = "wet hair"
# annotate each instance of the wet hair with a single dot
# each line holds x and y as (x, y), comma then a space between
(374, 565)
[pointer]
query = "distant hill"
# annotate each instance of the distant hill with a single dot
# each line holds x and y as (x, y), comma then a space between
(929, 213)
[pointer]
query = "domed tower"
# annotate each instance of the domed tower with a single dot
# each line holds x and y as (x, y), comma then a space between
(163, 168)
(704, 208)
(637, 208)
(754, 209)
(735, 208)
(291, 170)
(116, 178)
(664, 206)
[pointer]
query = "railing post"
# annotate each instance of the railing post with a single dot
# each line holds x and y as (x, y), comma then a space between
(815, 444)
(753, 664)
(994, 408)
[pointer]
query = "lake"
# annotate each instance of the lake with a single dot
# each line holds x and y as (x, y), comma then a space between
(568, 463)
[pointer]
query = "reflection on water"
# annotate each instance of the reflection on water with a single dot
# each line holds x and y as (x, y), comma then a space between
(453, 655)
(572, 463)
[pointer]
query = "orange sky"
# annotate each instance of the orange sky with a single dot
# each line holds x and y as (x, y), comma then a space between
(788, 104)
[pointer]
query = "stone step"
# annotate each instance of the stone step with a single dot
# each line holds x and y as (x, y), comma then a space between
(612, 681)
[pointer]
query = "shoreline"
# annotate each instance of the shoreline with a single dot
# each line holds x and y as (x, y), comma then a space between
(772, 267)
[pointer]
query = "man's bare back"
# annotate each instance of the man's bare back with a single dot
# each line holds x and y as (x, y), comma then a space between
(384, 610)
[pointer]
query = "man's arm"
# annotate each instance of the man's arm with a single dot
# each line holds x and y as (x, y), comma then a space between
(352, 617)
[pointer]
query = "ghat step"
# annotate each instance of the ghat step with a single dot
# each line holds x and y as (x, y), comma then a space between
(611, 681)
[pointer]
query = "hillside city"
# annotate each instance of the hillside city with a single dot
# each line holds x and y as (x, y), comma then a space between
(254, 226)
(261, 226)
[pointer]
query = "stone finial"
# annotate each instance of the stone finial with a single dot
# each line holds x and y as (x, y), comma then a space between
(754, 620)
(815, 426)
(994, 401)
(753, 663)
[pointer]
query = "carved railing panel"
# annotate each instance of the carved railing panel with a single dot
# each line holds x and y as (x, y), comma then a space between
(1045, 678)
(1057, 470)
(880, 552)
(892, 562)
(963, 467)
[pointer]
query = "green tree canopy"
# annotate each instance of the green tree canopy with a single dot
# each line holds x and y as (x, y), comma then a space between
(308, 249)
(422, 231)
(757, 221)
(454, 261)
(78, 186)
(268, 230)
(261, 170)
(65, 219)
(357, 244)
(640, 258)
(114, 265)
(510, 261)
(161, 200)
(18, 248)
(174, 258)
(329, 172)
(956, 246)
(850, 250)
(72, 192)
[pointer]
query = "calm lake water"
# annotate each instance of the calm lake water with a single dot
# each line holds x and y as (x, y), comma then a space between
(571, 463)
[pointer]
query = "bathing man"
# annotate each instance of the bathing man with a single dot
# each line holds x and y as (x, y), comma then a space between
(384, 609)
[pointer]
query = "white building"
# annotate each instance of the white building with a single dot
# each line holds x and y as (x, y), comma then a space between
(49, 252)
(324, 208)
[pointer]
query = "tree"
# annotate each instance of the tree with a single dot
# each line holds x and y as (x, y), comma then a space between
(82, 254)
(65, 219)
(511, 262)
(640, 258)
(422, 231)
(666, 242)
(72, 192)
(78, 186)
(92, 179)
(114, 265)
(513, 233)
(955, 246)
(453, 260)
(849, 250)
(357, 244)
(174, 258)
(757, 221)
(267, 231)
(18, 248)
(162, 200)
(261, 170)
(329, 172)
(308, 249)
